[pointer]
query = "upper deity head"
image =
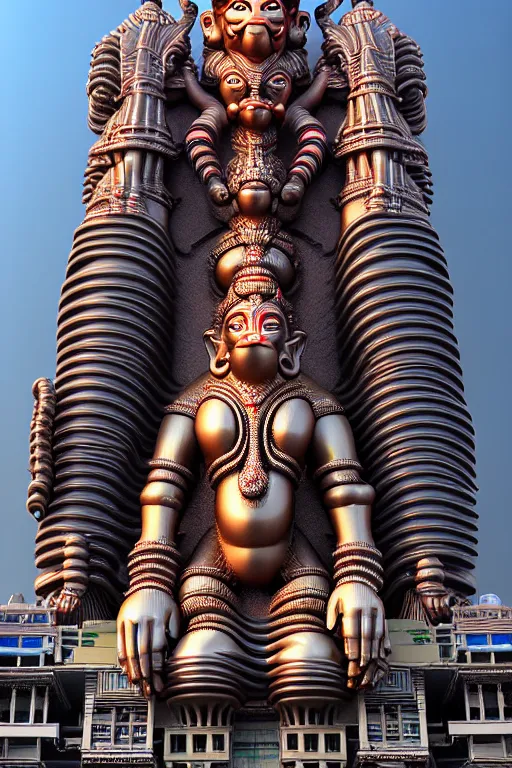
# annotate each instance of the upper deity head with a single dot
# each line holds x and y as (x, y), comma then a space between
(254, 335)
(255, 29)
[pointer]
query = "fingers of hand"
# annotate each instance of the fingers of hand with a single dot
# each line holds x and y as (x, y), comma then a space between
(351, 628)
(121, 645)
(174, 624)
(334, 609)
(368, 633)
(353, 672)
(144, 642)
(386, 642)
(131, 630)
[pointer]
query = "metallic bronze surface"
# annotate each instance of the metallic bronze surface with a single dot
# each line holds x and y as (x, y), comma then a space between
(402, 384)
(251, 610)
(115, 317)
(257, 423)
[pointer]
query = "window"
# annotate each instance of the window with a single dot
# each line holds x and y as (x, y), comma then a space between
(374, 718)
(178, 743)
(199, 742)
(485, 701)
(9, 641)
(490, 699)
(115, 681)
(393, 724)
(501, 639)
(332, 742)
(22, 748)
(488, 746)
(392, 720)
(5, 704)
(119, 726)
(39, 704)
(23, 699)
(481, 658)
(31, 642)
(311, 742)
(292, 742)
(478, 640)
(218, 742)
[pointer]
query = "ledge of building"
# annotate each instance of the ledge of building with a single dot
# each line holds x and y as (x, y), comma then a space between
(476, 728)
(109, 757)
(398, 755)
(29, 731)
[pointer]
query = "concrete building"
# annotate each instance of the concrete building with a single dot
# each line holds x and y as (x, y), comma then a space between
(446, 703)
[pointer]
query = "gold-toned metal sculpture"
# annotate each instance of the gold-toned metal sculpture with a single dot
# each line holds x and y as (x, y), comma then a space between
(254, 420)
(255, 612)
(114, 337)
(402, 381)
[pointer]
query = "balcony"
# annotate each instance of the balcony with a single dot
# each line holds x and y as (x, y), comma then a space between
(476, 728)
(29, 731)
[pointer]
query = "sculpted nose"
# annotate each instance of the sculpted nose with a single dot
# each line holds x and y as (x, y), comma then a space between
(255, 338)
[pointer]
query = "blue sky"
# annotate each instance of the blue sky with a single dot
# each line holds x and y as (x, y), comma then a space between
(44, 140)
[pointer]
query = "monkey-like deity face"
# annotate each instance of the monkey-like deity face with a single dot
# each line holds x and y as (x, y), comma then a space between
(253, 28)
(254, 342)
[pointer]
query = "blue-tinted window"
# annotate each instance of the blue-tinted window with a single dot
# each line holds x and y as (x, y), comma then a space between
(13, 618)
(31, 642)
(476, 640)
(502, 639)
(9, 642)
(40, 618)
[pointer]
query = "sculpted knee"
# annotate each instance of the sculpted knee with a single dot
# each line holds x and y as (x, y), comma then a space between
(307, 646)
(205, 643)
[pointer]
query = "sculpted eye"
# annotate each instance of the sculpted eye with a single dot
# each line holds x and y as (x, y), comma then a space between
(273, 324)
(236, 326)
(278, 82)
(239, 7)
(271, 7)
(234, 81)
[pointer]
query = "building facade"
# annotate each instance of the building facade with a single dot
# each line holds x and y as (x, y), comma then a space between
(446, 702)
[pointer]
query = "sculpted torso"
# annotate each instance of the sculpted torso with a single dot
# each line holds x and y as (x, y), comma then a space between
(255, 533)
(256, 421)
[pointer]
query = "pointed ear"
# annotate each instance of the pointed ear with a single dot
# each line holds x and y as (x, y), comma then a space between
(289, 359)
(211, 30)
(218, 354)
(298, 30)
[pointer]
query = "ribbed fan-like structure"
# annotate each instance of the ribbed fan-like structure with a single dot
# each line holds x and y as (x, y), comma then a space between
(404, 395)
(114, 344)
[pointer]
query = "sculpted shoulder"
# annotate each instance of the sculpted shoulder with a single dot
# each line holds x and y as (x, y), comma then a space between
(188, 402)
(323, 402)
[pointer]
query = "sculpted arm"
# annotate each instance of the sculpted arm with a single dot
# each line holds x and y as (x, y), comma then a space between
(357, 563)
(150, 611)
(104, 83)
(203, 137)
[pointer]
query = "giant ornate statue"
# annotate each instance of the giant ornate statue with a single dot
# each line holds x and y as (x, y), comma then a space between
(257, 424)
(255, 610)
(401, 375)
(115, 323)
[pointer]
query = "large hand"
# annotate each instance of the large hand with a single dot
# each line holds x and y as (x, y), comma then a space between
(143, 621)
(67, 601)
(363, 629)
(218, 192)
(438, 605)
(293, 191)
